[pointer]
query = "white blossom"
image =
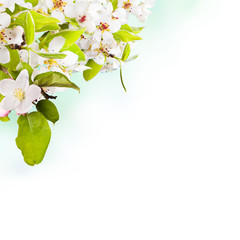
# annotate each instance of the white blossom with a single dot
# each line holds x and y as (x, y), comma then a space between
(18, 94)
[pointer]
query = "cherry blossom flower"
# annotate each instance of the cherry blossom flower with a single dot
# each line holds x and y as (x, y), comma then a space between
(7, 35)
(18, 95)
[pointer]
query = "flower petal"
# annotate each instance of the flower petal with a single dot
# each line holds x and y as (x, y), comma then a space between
(99, 59)
(9, 102)
(14, 36)
(3, 113)
(5, 20)
(24, 107)
(69, 60)
(56, 44)
(8, 86)
(23, 80)
(4, 55)
(33, 92)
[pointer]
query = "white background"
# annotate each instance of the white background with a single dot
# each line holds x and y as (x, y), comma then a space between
(161, 162)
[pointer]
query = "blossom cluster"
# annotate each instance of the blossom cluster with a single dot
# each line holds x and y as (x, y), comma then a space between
(43, 42)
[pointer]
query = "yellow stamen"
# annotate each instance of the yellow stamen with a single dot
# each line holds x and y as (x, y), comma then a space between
(19, 94)
(50, 63)
(2, 36)
(59, 4)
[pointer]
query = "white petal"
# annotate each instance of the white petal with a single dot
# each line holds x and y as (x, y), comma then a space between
(24, 106)
(69, 60)
(100, 59)
(56, 44)
(107, 37)
(3, 113)
(23, 80)
(71, 11)
(14, 36)
(10, 102)
(4, 55)
(58, 15)
(5, 20)
(81, 68)
(7, 86)
(33, 92)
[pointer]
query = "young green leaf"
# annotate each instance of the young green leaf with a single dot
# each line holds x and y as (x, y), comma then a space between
(114, 3)
(137, 30)
(14, 59)
(91, 73)
(52, 55)
(5, 119)
(33, 2)
(54, 79)
(24, 65)
(3, 75)
(126, 52)
(33, 138)
(18, 9)
(71, 36)
(134, 30)
(29, 28)
(76, 49)
(127, 28)
(48, 110)
(42, 22)
(126, 36)
(131, 58)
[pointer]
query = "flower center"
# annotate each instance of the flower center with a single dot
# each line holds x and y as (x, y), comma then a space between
(127, 5)
(103, 27)
(2, 36)
(59, 4)
(82, 19)
(19, 94)
(50, 63)
(40, 10)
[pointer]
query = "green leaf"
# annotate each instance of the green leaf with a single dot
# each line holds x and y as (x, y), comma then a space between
(126, 36)
(76, 49)
(114, 3)
(29, 29)
(19, 9)
(134, 30)
(73, 22)
(33, 2)
(5, 119)
(131, 58)
(71, 36)
(91, 73)
(64, 26)
(127, 28)
(54, 79)
(14, 60)
(52, 55)
(48, 110)
(3, 75)
(24, 65)
(33, 138)
(42, 22)
(126, 52)
(137, 30)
